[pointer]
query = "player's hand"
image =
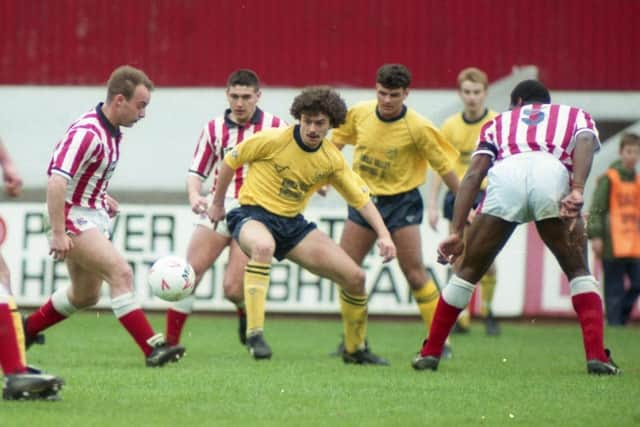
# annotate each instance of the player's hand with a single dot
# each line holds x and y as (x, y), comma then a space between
(198, 204)
(322, 191)
(60, 245)
(433, 218)
(216, 214)
(571, 205)
(113, 207)
(12, 181)
(597, 247)
(450, 249)
(471, 216)
(387, 249)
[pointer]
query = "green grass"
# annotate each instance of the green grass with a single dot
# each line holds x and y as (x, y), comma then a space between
(532, 375)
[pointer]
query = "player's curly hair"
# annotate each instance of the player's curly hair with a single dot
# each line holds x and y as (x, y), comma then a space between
(530, 91)
(320, 100)
(124, 80)
(394, 76)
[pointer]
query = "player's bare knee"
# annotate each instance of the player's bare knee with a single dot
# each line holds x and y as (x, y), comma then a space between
(233, 291)
(262, 251)
(122, 278)
(416, 278)
(355, 282)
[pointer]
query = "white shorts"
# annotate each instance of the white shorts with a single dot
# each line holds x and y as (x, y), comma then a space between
(526, 187)
(80, 219)
(204, 221)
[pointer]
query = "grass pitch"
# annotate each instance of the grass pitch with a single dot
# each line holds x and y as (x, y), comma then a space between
(532, 375)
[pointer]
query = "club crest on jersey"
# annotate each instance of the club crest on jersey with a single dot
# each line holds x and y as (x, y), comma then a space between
(532, 117)
(280, 168)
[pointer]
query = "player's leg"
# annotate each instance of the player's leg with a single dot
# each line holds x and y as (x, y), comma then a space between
(320, 255)
(356, 240)
(486, 236)
(204, 248)
(488, 287)
(233, 288)
(18, 383)
(614, 271)
(568, 244)
(96, 258)
(631, 295)
(257, 242)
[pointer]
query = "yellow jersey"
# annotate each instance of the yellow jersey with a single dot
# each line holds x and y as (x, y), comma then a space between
(392, 156)
(284, 173)
(463, 134)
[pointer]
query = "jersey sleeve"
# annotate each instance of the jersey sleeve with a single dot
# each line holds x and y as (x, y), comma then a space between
(585, 123)
(346, 133)
(437, 150)
(254, 148)
(487, 142)
(77, 148)
(205, 154)
(349, 184)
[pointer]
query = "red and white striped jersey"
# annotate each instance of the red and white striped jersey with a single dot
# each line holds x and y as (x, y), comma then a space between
(221, 135)
(86, 156)
(536, 127)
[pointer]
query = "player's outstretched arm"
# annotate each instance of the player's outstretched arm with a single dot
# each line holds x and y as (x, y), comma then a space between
(469, 187)
(197, 201)
(216, 211)
(385, 244)
(60, 243)
(10, 176)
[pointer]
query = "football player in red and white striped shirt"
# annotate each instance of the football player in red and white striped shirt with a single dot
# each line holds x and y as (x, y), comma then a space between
(241, 120)
(80, 209)
(537, 157)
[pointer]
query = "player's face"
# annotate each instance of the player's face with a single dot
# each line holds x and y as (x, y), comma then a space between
(630, 155)
(129, 112)
(473, 96)
(242, 102)
(390, 101)
(313, 128)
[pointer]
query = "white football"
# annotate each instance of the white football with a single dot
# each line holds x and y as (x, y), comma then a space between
(171, 278)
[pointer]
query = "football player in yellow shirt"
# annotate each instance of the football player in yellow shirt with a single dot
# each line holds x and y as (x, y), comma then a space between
(287, 166)
(393, 148)
(462, 130)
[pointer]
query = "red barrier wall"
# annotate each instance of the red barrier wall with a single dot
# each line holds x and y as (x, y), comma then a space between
(577, 44)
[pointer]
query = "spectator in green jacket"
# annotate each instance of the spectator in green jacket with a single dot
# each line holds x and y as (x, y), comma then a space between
(614, 230)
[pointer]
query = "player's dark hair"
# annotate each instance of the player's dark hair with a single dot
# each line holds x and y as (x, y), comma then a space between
(124, 80)
(244, 77)
(629, 139)
(320, 100)
(530, 91)
(393, 76)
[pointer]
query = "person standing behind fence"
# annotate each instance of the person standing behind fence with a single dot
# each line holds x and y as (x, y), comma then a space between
(80, 209)
(614, 230)
(241, 120)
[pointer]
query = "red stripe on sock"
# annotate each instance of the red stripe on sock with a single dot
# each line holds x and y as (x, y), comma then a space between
(443, 320)
(136, 323)
(9, 350)
(588, 306)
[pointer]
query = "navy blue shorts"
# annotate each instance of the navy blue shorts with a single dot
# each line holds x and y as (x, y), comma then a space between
(287, 232)
(397, 211)
(450, 199)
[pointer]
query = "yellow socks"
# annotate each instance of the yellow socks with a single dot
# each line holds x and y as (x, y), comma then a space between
(17, 325)
(354, 319)
(427, 300)
(488, 286)
(256, 284)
